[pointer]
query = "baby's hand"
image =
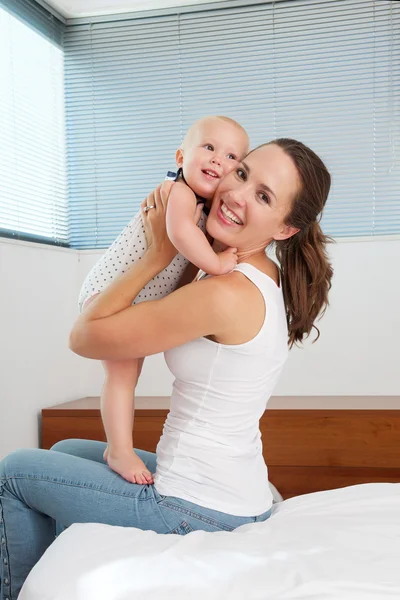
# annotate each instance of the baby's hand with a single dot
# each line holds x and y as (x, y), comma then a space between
(228, 260)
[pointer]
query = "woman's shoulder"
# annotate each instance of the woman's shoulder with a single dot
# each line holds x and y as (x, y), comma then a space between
(240, 306)
(265, 266)
(238, 292)
(235, 292)
(239, 280)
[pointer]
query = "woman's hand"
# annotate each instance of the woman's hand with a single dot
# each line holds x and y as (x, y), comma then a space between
(154, 210)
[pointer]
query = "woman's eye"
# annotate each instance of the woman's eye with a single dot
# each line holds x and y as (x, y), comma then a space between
(264, 197)
(209, 147)
(232, 157)
(241, 173)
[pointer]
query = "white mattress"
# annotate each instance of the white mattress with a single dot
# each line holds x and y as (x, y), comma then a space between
(340, 544)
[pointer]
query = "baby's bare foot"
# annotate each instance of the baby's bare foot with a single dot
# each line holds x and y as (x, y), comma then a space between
(129, 466)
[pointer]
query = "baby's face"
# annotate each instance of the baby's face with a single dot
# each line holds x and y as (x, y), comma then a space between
(214, 149)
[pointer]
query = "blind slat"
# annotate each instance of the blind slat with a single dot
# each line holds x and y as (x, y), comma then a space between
(33, 181)
(325, 72)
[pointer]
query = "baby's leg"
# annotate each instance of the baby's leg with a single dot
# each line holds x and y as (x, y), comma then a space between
(117, 410)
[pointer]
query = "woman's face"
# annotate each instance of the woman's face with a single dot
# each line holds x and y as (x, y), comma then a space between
(251, 203)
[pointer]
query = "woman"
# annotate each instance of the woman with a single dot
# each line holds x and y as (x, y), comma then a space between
(225, 339)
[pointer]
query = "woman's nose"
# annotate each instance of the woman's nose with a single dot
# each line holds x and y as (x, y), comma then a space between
(237, 196)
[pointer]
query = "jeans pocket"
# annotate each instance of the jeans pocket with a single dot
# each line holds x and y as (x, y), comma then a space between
(182, 529)
(159, 498)
(203, 518)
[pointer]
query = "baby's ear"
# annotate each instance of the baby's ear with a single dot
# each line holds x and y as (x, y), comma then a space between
(179, 158)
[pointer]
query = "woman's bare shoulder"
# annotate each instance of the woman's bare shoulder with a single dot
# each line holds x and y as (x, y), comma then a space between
(267, 266)
(233, 292)
(240, 306)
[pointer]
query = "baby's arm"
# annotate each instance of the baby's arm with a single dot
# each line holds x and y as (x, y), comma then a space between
(188, 239)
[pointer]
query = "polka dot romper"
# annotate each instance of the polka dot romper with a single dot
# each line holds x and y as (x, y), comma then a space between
(129, 247)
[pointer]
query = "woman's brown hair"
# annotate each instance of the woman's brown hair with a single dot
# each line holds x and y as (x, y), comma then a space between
(306, 269)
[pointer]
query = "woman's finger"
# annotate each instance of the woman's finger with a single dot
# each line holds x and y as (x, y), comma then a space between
(149, 201)
(153, 199)
(157, 198)
(157, 202)
(165, 191)
(154, 222)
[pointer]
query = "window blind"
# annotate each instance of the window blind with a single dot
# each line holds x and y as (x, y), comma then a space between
(33, 183)
(324, 72)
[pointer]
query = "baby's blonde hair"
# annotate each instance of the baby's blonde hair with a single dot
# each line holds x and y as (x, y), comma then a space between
(193, 128)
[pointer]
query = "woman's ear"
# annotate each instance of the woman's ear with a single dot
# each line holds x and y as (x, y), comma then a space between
(179, 158)
(286, 232)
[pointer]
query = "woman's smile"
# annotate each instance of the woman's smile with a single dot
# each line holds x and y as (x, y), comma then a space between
(226, 215)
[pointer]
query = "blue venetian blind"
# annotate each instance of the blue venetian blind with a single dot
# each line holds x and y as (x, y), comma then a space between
(324, 72)
(33, 182)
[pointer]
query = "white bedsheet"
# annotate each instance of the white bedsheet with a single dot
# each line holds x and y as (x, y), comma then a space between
(340, 544)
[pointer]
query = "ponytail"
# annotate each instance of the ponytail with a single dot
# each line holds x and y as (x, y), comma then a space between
(306, 279)
(306, 270)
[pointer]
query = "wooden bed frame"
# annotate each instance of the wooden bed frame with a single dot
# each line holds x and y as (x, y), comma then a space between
(306, 450)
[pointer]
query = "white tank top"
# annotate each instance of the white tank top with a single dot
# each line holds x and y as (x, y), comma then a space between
(210, 452)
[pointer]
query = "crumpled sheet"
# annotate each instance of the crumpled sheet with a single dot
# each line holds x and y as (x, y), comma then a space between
(339, 544)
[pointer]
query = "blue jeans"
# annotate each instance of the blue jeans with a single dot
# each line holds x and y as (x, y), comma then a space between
(71, 484)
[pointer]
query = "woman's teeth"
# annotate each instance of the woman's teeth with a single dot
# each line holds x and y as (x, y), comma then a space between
(230, 214)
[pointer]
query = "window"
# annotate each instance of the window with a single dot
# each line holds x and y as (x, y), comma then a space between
(322, 71)
(33, 189)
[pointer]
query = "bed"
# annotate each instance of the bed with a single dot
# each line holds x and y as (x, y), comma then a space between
(341, 543)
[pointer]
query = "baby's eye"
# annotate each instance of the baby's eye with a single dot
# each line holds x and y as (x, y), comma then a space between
(209, 147)
(232, 157)
(241, 173)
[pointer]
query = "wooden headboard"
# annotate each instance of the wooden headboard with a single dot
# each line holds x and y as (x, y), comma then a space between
(313, 450)
(306, 450)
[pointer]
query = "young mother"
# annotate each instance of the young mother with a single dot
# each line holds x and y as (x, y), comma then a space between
(225, 340)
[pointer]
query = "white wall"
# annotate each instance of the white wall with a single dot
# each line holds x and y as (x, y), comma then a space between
(37, 306)
(357, 354)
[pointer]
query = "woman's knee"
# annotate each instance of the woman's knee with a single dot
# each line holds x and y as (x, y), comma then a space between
(6, 461)
(19, 462)
(89, 449)
(67, 446)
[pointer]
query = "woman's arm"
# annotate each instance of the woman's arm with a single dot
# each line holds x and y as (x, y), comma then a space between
(196, 310)
(110, 328)
(188, 239)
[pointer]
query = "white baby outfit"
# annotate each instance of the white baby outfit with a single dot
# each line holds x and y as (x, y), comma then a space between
(129, 247)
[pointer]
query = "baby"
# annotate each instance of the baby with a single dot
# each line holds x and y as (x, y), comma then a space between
(212, 147)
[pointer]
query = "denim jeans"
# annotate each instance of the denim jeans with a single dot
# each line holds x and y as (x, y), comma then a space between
(71, 484)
